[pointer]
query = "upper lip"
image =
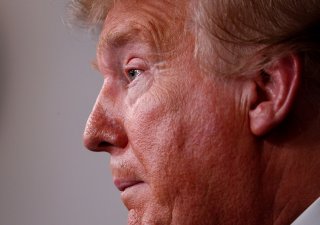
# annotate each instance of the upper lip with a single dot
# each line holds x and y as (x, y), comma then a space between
(123, 184)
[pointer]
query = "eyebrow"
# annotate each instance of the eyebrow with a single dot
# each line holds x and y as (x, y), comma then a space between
(121, 38)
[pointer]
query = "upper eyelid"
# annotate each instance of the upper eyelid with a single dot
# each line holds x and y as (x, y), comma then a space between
(120, 72)
(141, 65)
(131, 61)
(136, 61)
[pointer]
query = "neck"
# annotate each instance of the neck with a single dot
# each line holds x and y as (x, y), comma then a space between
(291, 166)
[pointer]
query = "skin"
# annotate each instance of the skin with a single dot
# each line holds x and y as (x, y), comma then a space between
(183, 136)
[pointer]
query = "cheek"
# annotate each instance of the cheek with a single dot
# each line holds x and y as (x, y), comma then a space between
(186, 141)
(153, 132)
(137, 89)
(171, 132)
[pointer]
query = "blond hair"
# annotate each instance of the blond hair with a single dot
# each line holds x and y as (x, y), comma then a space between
(247, 34)
(238, 36)
(88, 13)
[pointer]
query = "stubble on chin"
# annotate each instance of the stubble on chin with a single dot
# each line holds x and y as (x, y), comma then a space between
(150, 216)
(133, 218)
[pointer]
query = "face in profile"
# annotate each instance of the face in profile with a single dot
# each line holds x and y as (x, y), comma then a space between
(173, 132)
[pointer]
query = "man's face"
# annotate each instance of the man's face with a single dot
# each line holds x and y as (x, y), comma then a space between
(176, 136)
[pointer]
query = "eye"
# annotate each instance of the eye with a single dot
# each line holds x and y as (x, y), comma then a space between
(133, 74)
(135, 67)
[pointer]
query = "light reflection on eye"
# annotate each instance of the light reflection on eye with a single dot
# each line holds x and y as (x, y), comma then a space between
(134, 73)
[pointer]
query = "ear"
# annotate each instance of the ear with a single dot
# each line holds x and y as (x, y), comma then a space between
(276, 88)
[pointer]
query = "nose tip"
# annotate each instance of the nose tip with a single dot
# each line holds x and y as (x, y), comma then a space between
(93, 142)
(96, 145)
(98, 141)
(104, 132)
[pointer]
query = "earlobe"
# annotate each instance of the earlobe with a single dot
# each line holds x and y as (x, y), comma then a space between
(276, 88)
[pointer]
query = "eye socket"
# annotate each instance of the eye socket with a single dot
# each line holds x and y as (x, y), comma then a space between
(135, 67)
(134, 73)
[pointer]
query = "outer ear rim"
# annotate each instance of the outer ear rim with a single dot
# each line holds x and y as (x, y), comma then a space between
(275, 96)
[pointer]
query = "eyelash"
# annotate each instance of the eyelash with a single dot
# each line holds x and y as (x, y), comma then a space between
(134, 67)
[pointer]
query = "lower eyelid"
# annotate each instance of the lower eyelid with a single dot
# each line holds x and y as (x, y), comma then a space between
(144, 75)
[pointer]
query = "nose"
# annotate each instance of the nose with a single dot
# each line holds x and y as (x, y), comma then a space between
(104, 129)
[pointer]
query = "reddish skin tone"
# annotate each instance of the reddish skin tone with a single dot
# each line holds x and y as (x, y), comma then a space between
(183, 144)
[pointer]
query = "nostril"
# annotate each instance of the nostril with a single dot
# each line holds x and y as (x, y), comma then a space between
(104, 131)
(104, 144)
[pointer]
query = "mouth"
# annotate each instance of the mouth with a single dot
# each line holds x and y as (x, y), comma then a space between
(123, 184)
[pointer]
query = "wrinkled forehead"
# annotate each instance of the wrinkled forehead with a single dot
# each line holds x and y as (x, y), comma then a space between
(169, 6)
(156, 22)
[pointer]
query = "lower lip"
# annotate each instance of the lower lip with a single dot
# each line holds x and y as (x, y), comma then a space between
(133, 186)
(133, 196)
(123, 185)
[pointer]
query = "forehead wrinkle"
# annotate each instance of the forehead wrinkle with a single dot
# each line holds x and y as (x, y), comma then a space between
(121, 36)
(154, 27)
(151, 25)
(159, 22)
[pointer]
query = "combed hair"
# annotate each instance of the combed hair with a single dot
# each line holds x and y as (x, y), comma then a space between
(88, 13)
(238, 36)
(247, 34)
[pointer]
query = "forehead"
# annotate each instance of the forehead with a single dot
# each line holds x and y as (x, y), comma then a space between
(155, 8)
(148, 20)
